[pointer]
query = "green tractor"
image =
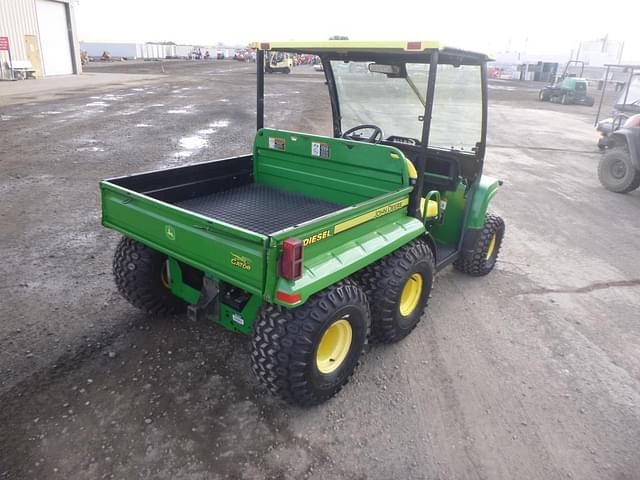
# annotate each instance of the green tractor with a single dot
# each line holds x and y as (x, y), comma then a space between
(568, 89)
(313, 245)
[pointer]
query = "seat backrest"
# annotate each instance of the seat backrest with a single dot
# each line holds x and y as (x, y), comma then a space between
(333, 169)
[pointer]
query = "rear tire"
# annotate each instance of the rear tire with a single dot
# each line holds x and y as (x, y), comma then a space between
(398, 288)
(616, 172)
(486, 250)
(292, 356)
(141, 277)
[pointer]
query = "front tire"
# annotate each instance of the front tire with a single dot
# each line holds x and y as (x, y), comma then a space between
(398, 288)
(485, 253)
(616, 172)
(307, 354)
(142, 278)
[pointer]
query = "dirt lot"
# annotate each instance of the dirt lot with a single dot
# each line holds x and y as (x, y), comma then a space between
(530, 373)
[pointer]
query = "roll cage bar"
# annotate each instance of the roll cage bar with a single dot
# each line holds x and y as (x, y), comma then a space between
(433, 57)
(631, 71)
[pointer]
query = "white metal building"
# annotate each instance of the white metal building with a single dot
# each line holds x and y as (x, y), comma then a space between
(43, 33)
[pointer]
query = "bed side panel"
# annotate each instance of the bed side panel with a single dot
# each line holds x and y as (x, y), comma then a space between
(182, 183)
(230, 253)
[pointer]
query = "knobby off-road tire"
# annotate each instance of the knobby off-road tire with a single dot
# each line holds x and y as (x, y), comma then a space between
(285, 348)
(398, 288)
(486, 249)
(616, 171)
(140, 274)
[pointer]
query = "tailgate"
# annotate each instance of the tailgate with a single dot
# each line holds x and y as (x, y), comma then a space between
(230, 253)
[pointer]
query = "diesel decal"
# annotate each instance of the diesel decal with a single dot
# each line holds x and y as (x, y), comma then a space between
(240, 261)
(354, 222)
(316, 238)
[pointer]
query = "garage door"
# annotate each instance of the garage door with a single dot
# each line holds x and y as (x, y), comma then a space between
(54, 37)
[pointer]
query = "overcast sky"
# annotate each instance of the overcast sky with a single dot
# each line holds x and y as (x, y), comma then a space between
(536, 26)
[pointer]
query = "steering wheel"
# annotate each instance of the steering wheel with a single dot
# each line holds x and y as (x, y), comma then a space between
(375, 137)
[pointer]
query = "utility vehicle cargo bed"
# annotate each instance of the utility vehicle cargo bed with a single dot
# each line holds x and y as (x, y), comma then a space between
(259, 208)
(228, 218)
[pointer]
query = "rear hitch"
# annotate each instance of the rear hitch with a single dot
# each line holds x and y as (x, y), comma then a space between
(208, 305)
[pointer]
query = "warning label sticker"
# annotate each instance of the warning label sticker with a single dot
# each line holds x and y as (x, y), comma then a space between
(276, 143)
(320, 150)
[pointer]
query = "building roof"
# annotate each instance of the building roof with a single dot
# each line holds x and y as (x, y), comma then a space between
(340, 48)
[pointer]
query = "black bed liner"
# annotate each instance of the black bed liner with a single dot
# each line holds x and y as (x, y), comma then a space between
(224, 190)
(259, 208)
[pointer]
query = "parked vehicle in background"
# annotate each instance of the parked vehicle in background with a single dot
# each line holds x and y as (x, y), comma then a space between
(626, 105)
(568, 88)
(278, 62)
(619, 167)
(242, 55)
(609, 125)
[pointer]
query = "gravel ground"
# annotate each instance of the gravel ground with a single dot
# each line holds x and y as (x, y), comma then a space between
(532, 372)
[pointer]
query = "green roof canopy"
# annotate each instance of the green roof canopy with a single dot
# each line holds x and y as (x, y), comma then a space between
(406, 50)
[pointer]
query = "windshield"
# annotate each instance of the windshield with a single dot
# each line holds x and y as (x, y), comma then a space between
(397, 104)
(634, 92)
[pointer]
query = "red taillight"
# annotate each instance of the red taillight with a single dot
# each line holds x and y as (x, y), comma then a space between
(288, 297)
(414, 45)
(291, 259)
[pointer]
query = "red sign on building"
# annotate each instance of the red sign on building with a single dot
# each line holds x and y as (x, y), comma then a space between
(4, 43)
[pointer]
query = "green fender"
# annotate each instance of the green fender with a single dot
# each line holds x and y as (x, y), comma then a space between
(484, 192)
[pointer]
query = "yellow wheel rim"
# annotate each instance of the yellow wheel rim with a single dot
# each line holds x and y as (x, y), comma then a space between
(411, 294)
(164, 276)
(491, 247)
(334, 346)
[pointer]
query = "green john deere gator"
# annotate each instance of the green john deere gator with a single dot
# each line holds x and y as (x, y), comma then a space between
(313, 245)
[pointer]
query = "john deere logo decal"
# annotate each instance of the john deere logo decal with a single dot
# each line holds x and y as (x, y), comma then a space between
(170, 232)
(240, 261)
